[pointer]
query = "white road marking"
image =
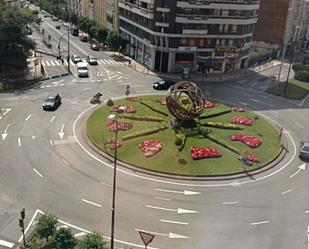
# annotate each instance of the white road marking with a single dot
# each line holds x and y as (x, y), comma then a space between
(61, 133)
(49, 86)
(47, 63)
(19, 142)
(65, 162)
(63, 226)
(52, 119)
(242, 103)
(38, 173)
(308, 237)
(301, 167)
(307, 212)
(6, 243)
(299, 125)
(106, 184)
(259, 223)
(51, 142)
(285, 192)
(163, 199)
(57, 63)
(52, 63)
(170, 235)
(43, 63)
(175, 222)
(230, 202)
(33, 137)
(76, 235)
(92, 203)
(178, 210)
(254, 100)
(185, 192)
(87, 88)
(5, 134)
(27, 118)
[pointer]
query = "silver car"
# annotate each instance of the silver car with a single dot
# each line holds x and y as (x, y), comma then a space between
(304, 150)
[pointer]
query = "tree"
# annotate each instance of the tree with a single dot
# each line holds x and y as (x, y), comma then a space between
(46, 226)
(114, 40)
(102, 34)
(110, 103)
(62, 239)
(92, 241)
(93, 30)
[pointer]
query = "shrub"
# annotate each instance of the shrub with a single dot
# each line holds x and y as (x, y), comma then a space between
(302, 75)
(142, 118)
(215, 114)
(300, 67)
(154, 109)
(222, 125)
(180, 139)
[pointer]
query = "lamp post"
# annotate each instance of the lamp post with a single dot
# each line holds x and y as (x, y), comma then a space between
(69, 19)
(161, 44)
(113, 118)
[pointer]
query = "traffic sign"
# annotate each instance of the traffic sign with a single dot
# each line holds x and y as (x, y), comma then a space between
(146, 237)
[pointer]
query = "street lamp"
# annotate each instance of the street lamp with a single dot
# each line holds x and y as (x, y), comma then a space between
(113, 118)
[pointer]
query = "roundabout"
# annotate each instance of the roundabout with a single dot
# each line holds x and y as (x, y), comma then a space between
(160, 135)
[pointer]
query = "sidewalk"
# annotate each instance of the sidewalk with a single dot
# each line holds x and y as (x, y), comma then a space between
(200, 76)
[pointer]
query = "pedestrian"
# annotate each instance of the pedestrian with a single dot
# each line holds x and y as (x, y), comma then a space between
(129, 62)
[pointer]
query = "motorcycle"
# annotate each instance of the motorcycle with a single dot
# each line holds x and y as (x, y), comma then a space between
(95, 99)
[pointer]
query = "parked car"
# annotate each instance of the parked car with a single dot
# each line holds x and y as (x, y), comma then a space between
(163, 84)
(95, 46)
(82, 69)
(83, 38)
(52, 102)
(92, 60)
(304, 150)
(76, 58)
(57, 26)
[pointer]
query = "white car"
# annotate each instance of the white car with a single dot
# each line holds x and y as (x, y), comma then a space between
(82, 69)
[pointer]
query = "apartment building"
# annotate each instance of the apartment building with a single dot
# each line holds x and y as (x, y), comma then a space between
(171, 35)
(281, 22)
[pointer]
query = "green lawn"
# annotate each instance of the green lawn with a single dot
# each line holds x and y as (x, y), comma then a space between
(15, 85)
(295, 89)
(166, 160)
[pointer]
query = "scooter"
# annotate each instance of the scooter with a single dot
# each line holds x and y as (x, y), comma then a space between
(95, 99)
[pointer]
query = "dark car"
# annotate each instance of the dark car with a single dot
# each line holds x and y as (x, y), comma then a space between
(76, 58)
(95, 46)
(57, 26)
(163, 84)
(83, 38)
(52, 102)
(304, 150)
(92, 60)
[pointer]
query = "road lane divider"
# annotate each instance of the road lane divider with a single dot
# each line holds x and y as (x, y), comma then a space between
(285, 192)
(28, 117)
(92, 203)
(230, 202)
(38, 173)
(162, 199)
(6, 243)
(259, 223)
(19, 142)
(65, 162)
(175, 222)
(51, 142)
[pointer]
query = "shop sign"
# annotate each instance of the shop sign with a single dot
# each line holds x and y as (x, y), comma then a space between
(225, 49)
(187, 49)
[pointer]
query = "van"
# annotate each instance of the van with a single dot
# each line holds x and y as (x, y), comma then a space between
(82, 69)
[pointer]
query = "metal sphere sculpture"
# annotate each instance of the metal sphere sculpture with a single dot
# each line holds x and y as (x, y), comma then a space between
(185, 100)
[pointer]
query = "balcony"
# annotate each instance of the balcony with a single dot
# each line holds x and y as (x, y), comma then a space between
(148, 13)
(162, 9)
(162, 24)
(195, 31)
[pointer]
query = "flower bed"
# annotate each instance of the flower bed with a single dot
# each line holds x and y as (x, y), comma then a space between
(113, 126)
(113, 144)
(209, 104)
(204, 152)
(252, 158)
(251, 141)
(123, 108)
(238, 109)
(134, 99)
(150, 147)
(242, 120)
(161, 101)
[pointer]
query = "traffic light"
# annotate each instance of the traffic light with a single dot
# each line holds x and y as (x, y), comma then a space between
(22, 213)
(21, 223)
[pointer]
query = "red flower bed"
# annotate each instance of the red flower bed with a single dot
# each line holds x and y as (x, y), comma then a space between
(238, 109)
(112, 143)
(209, 104)
(150, 147)
(112, 126)
(134, 99)
(252, 158)
(125, 108)
(204, 152)
(242, 120)
(161, 101)
(251, 141)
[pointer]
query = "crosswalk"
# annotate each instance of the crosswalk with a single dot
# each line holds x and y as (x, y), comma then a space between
(51, 63)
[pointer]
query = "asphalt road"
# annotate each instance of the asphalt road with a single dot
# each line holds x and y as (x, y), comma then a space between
(46, 165)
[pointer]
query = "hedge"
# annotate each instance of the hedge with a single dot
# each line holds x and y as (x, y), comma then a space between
(144, 133)
(302, 75)
(222, 125)
(142, 118)
(154, 109)
(300, 67)
(215, 114)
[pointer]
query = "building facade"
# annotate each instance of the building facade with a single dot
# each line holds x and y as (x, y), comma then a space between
(171, 35)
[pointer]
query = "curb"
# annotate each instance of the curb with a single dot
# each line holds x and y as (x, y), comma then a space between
(54, 76)
(135, 168)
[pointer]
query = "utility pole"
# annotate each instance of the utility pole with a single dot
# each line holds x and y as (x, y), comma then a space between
(21, 225)
(161, 44)
(68, 59)
(116, 15)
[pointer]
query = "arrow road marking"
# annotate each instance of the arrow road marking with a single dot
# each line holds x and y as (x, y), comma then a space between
(300, 168)
(179, 210)
(185, 192)
(175, 222)
(170, 235)
(4, 134)
(61, 133)
(92, 203)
